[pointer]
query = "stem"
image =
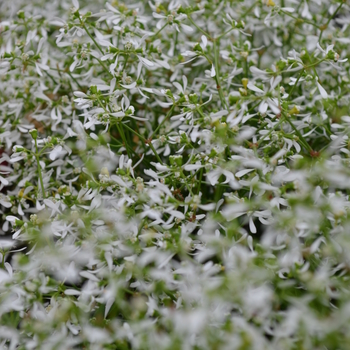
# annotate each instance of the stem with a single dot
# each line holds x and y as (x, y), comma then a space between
(42, 151)
(248, 10)
(75, 80)
(246, 68)
(200, 112)
(164, 120)
(91, 37)
(302, 20)
(200, 180)
(51, 77)
(200, 29)
(190, 178)
(252, 108)
(39, 169)
(176, 37)
(104, 67)
(223, 34)
(145, 142)
(217, 77)
(160, 29)
(296, 83)
(330, 18)
(120, 129)
(186, 184)
(301, 137)
(121, 132)
(304, 68)
(269, 133)
(315, 63)
(125, 61)
(97, 45)
(143, 222)
(120, 144)
(69, 73)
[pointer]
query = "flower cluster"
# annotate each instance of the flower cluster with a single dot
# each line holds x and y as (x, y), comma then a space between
(174, 174)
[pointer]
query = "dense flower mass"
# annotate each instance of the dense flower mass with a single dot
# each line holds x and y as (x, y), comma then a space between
(174, 174)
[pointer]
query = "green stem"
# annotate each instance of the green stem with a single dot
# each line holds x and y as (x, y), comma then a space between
(186, 184)
(120, 129)
(145, 141)
(190, 178)
(104, 67)
(39, 169)
(223, 34)
(217, 77)
(315, 63)
(246, 68)
(329, 20)
(200, 112)
(176, 37)
(296, 83)
(121, 132)
(249, 10)
(301, 137)
(305, 67)
(69, 73)
(269, 133)
(125, 61)
(161, 29)
(200, 29)
(97, 45)
(91, 37)
(42, 151)
(75, 80)
(164, 120)
(143, 222)
(302, 20)
(51, 77)
(200, 180)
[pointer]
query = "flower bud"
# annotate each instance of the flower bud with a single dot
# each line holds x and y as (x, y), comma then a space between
(34, 133)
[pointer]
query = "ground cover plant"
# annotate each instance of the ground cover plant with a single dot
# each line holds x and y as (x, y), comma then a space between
(174, 174)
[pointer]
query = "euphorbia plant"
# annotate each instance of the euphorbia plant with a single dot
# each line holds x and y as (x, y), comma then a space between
(174, 175)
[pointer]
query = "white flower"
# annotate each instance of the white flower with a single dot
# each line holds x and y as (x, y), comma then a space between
(173, 21)
(322, 91)
(267, 102)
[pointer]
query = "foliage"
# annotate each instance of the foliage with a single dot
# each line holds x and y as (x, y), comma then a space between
(174, 175)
